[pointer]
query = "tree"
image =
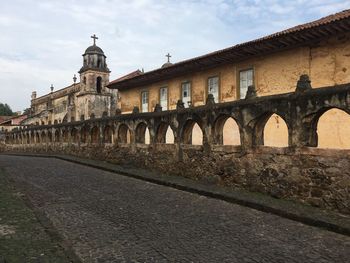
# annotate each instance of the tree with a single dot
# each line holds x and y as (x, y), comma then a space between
(5, 110)
(26, 111)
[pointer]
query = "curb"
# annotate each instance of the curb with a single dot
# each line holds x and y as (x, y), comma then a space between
(305, 214)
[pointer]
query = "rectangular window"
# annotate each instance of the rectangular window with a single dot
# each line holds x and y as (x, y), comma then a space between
(186, 93)
(213, 87)
(164, 98)
(144, 101)
(246, 79)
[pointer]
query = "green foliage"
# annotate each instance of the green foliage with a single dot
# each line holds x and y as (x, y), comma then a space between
(5, 110)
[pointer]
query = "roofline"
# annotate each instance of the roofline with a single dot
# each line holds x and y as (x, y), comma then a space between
(54, 92)
(293, 37)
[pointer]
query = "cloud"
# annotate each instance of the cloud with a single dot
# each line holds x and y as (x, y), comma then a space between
(42, 41)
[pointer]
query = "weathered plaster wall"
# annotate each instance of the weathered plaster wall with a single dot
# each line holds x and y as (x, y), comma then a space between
(327, 62)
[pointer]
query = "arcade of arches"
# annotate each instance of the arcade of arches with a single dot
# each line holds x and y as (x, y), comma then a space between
(264, 145)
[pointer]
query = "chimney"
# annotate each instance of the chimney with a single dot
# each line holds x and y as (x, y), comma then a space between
(33, 95)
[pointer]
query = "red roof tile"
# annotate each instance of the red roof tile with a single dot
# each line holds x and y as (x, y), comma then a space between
(128, 76)
(301, 34)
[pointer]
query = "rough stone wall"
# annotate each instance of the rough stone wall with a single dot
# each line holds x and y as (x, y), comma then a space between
(312, 176)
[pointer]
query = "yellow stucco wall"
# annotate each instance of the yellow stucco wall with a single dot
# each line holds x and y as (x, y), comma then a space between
(327, 63)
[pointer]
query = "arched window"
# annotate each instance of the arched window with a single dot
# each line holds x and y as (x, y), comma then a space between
(65, 136)
(165, 134)
(276, 132)
(142, 134)
(192, 133)
(84, 133)
(107, 134)
(57, 136)
(74, 135)
(37, 137)
(227, 131)
(99, 85)
(43, 137)
(123, 134)
(333, 129)
(95, 135)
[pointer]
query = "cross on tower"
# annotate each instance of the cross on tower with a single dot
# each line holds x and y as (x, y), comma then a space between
(94, 37)
(168, 56)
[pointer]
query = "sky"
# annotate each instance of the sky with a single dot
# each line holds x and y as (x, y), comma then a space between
(41, 42)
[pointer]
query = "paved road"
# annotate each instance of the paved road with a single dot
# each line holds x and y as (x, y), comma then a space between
(112, 218)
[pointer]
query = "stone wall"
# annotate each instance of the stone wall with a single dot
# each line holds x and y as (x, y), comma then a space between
(315, 177)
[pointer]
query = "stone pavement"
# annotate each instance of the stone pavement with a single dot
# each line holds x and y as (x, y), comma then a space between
(112, 218)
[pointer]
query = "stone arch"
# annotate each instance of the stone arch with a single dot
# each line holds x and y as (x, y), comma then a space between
(227, 131)
(142, 134)
(124, 135)
(333, 129)
(43, 137)
(260, 125)
(37, 137)
(192, 133)
(107, 134)
(57, 136)
(65, 135)
(165, 133)
(74, 135)
(95, 134)
(49, 136)
(84, 134)
(32, 137)
(276, 132)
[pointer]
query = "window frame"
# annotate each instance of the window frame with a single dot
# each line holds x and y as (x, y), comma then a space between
(219, 87)
(167, 97)
(141, 100)
(181, 92)
(239, 80)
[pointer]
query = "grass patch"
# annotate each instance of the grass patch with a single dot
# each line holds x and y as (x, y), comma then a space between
(22, 237)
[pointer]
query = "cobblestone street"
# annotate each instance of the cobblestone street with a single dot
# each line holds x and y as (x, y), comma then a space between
(112, 218)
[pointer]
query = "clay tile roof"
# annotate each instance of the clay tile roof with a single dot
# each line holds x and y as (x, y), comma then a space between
(294, 36)
(4, 118)
(128, 76)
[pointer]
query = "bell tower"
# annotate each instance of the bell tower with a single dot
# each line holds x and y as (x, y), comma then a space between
(95, 98)
(94, 74)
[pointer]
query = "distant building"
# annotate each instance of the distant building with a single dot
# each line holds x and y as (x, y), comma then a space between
(89, 98)
(11, 122)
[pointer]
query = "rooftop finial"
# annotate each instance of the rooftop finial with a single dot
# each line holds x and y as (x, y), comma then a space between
(51, 87)
(94, 37)
(75, 78)
(168, 56)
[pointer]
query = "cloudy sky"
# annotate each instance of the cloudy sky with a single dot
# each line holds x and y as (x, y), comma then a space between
(41, 42)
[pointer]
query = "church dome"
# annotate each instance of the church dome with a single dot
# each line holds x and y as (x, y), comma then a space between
(94, 58)
(168, 64)
(94, 49)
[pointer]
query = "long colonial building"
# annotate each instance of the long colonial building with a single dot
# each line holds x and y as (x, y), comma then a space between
(270, 65)
(273, 64)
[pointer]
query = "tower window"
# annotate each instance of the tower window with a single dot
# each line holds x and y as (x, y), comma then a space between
(84, 80)
(99, 84)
